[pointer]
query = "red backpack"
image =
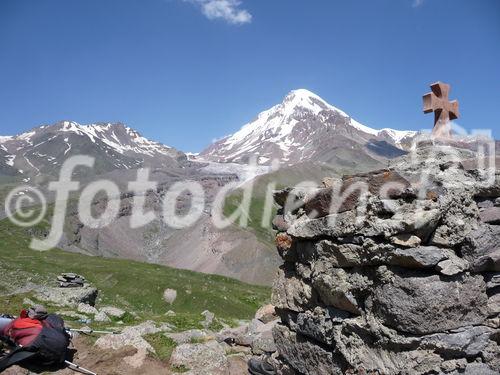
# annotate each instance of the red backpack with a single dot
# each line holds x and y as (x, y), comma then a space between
(23, 331)
(48, 347)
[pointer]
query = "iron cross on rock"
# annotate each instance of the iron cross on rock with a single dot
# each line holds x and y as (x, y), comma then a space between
(437, 101)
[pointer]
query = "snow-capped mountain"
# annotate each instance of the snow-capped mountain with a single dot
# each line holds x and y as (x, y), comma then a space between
(42, 150)
(305, 127)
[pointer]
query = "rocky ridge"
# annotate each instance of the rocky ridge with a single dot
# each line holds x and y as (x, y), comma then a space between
(398, 280)
(43, 150)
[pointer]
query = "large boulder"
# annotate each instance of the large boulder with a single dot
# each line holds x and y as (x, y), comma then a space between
(260, 337)
(422, 221)
(422, 304)
(482, 241)
(340, 288)
(266, 314)
(130, 337)
(419, 257)
(68, 296)
(86, 309)
(490, 215)
(290, 292)
(346, 195)
(256, 335)
(102, 317)
(206, 358)
(193, 335)
(114, 312)
(306, 356)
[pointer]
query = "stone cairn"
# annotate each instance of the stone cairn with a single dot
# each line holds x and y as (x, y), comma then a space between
(70, 280)
(394, 281)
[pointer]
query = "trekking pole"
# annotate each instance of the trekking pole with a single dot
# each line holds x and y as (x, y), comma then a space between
(91, 331)
(75, 367)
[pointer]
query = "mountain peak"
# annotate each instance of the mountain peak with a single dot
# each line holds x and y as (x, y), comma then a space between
(73, 126)
(117, 146)
(302, 98)
(302, 93)
(292, 130)
(306, 99)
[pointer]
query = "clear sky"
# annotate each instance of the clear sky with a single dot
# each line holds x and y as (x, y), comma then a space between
(187, 71)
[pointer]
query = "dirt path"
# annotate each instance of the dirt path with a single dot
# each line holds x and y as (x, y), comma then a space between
(109, 362)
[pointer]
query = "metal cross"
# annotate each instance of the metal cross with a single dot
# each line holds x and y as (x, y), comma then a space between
(437, 101)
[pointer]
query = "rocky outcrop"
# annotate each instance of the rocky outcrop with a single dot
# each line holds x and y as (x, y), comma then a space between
(131, 337)
(207, 358)
(113, 312)
(197, 351)
(67, 296)
(388, 274)
(256, 336)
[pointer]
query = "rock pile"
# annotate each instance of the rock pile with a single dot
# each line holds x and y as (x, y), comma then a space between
(255, 337)
(198, 351)
(70, 280)
(400, 278)
(226, 352)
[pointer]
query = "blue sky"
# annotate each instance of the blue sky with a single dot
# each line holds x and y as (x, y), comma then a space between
(187, 71)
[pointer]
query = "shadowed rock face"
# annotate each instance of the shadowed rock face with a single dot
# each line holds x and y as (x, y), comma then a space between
(412, 288)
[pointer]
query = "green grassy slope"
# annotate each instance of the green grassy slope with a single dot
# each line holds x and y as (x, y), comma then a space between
(134, 286)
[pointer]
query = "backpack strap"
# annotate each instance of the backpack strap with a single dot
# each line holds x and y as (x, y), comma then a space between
(16, 356)
(7, 341)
